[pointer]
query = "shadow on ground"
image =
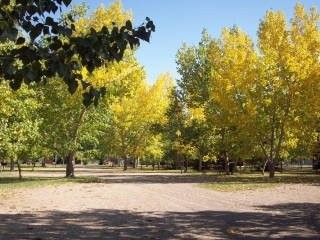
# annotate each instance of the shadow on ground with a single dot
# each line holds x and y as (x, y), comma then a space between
(103, 174)
(285, 221)
(149, 178)
(210, 178)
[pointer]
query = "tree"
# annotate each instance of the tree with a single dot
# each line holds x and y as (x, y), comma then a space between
(195, 73)
(64, 53)
(288, 70)
(68, 118)
(259, 100)
(233, 62)
(63, 115)
(174, 128)
(133, 116)
(200, 135)
(19, 125)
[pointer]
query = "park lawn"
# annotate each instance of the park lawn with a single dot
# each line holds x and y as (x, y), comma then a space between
(236, 182)
(237, 186)
(9, 182)
(251, 181)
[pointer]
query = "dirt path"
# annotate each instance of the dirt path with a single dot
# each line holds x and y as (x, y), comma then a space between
(159, 206)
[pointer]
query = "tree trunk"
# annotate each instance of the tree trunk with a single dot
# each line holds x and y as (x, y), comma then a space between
(134, 163)
(186, 165)
(271, 169)
(226, 162)
(33, 165)
(125, 163)
(11, 165)
(272, 146)
(70, 161)
(19, 169)
(43, 162)
(264, 166)
(181, 166)
(70, 164)
(158, 165)
(200, 165)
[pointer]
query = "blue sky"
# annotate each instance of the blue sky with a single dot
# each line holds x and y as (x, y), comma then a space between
(179, 21)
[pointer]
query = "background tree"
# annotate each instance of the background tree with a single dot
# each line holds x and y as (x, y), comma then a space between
(195, 73)
(233, 62)
(174, 128)
(70, 115)
(19, 124)
(254, 99)
(285, 81)
(132, 117)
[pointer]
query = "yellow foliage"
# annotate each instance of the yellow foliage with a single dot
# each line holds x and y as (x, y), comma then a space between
(109, 17)
(134, 115)
(197, 114)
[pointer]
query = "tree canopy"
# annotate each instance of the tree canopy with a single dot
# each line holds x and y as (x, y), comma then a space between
(48, 46)
(235, 100)
(259, 101)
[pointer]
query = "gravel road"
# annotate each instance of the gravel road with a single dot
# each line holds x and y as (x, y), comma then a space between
(159, 206)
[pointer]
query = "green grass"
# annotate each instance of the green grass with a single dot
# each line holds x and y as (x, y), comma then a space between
(33, 182)
(42, 177)
(237, 186)
(251, 181)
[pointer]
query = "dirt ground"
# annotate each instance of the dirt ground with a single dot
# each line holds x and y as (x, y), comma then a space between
(158, 206)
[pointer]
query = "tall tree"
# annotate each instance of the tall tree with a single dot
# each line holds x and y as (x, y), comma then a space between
(70, 114)
(233, 61)
(289, 67)
(133, 116)
(265, 98)
(19, 124)
(194, 68)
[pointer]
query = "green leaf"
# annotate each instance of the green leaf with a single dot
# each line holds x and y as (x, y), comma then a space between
(87, 99)
(129, 25)
(67, 2)
(20, 40)
(72, 86)
(49, 21)
(15, 85)
(151, 26)
(57, 44)
(36, 31)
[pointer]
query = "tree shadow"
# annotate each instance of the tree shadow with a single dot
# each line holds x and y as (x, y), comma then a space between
(146, 178)
(47, 180)
(9, 180)
(284, 221)
(159, 178)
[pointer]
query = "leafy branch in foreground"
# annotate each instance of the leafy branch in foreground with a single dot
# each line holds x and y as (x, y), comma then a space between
(47, 46)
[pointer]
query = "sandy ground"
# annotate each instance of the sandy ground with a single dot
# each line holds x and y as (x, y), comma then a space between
(159, 206)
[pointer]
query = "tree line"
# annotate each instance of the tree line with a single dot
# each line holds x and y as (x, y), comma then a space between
(252, 101)
(235, 101)
(45, 59)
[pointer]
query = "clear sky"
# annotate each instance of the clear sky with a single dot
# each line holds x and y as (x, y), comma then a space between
(179, 21)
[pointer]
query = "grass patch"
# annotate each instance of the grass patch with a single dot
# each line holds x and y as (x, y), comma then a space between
(8, 183)
(236, 186)
(242, 182)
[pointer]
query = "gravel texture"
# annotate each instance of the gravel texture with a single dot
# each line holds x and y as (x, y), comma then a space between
(159, 206)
